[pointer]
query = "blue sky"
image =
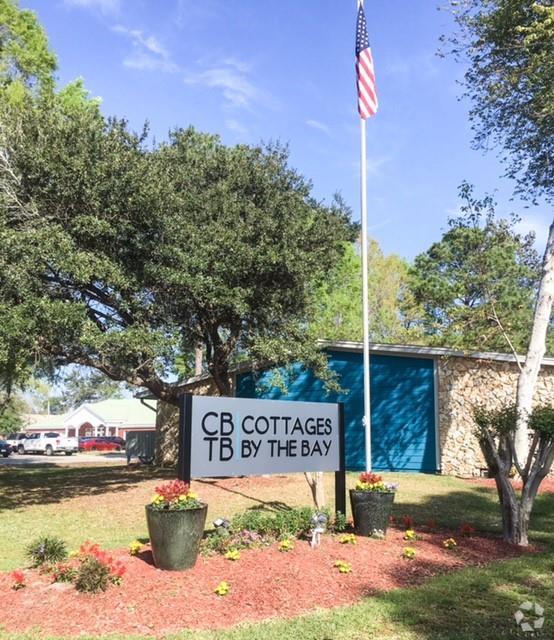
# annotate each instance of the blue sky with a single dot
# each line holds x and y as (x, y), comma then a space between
(254, 70)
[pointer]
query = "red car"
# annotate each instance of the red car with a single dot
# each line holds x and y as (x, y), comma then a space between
(98, 444)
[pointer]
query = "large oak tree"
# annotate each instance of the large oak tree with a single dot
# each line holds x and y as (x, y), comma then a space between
(122, 256)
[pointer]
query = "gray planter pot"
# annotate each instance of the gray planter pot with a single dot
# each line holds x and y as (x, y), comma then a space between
(371, 511)
(175, 536)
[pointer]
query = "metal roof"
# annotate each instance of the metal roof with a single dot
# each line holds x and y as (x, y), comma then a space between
(391, 349)
(417, 350)
(120, 411)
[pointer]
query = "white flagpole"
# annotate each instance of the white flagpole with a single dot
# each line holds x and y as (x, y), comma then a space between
(365, 296)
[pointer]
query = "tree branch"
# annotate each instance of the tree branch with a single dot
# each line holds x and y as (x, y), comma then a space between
(504, 333)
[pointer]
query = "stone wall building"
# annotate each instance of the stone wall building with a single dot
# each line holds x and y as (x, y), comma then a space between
(422, 404)
(466, 382)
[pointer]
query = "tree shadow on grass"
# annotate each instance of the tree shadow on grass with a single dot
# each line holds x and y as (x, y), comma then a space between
(475, 603)
(46, 485)
(479, 507)
(478, 602)
(470, 603)
(269, 505)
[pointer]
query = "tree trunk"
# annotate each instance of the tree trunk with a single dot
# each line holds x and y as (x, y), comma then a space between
(198, 359)
(220, 373)
(515, 512)
(537, 347)
(167, 435)
(315, 481)
(515, 519)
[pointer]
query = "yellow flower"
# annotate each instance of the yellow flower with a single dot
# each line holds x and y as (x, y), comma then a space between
(449, 543)
(192, 495)
(232, 554)
(157, 498)
(222, 588)
(410, 535)
(343, 567)
(286, 545)
(348, 538)
(409, 553)
(135, 547)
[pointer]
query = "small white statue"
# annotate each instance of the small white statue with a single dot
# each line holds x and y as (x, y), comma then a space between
(319, 523)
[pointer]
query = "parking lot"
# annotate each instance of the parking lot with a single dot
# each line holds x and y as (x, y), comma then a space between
(30, 459)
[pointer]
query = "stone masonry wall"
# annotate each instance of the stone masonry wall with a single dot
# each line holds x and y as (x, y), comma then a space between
(167, 424)
(465, 383)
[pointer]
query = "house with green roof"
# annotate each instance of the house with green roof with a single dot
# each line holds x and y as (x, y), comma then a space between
(104, 418)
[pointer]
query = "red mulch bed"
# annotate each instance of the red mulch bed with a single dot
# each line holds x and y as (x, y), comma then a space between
(547, 485)
(265, 583)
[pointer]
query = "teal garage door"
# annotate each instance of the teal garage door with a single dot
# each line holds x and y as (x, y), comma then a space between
(402, 406)
(402, 414)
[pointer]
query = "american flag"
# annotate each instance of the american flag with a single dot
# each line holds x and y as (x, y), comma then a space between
(365, 73)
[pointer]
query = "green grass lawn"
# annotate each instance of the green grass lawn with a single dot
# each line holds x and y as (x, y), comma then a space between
(104, 504)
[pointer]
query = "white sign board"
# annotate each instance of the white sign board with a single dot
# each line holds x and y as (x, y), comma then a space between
(239, 436)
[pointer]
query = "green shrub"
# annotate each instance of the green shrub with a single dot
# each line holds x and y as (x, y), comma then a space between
(222, 540)
(541, 421)
(500, 422)
(63, 572)
(282, 524)
(46, 550)
(92, 576)
(256, 527)
(338, 523)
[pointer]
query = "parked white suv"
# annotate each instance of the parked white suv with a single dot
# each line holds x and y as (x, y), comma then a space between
(48, 443)
(14, 439)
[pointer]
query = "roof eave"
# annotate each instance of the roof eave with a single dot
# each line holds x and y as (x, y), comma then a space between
(345, 345)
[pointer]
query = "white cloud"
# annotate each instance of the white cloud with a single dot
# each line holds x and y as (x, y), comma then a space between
(538, 225)
(379, 225)
(105, 6)
(239, 65)
(454, 211)
(235, 85)
(144, 62)
(235, 126)
(148, 53)
(316, 124)
(374, 164)
(150, 43)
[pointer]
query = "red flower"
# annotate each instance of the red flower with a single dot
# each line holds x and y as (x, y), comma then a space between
(115, 567)
(392, 519)
(18, 578)
(170, 491)
(408, 521)
(89, 549)
(370, 478)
